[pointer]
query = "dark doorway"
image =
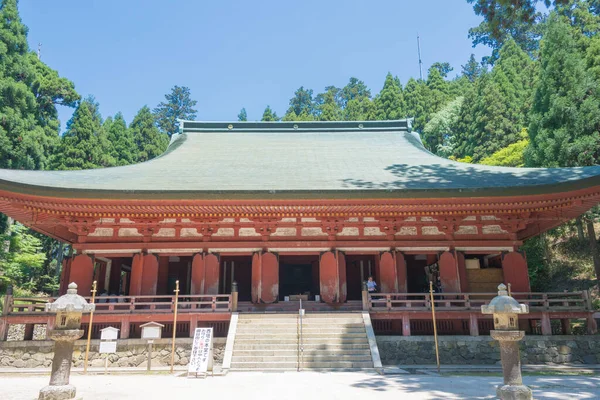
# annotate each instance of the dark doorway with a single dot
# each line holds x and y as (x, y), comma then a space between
(238, 269)
(358, 269)
(415, 273)
(298, 275)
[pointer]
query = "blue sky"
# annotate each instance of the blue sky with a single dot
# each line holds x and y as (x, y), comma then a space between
(235, 54)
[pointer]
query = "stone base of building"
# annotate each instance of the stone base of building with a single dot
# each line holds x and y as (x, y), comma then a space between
(483, 350)
(130, 353)
(514, 392)
(63, 392)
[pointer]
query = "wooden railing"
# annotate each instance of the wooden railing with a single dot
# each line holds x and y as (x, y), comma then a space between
(197, 303)
(552, 301)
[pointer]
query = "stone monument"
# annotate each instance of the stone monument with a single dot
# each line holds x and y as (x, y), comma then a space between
(69, 309)
(506, 331)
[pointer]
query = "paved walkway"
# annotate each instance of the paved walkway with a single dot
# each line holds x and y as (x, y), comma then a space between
(305, 385)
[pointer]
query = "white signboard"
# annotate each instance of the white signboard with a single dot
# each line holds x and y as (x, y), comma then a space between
(151, 332)
(109, 333)
(108, 347)
(201, 351)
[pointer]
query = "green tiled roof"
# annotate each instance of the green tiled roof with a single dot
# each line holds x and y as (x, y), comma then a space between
(297, 160)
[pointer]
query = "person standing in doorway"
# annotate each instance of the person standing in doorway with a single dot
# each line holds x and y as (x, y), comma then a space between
(371, 285)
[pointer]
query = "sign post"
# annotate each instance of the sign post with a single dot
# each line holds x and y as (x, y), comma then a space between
(201, 358)
(151, 331)
(108, 343)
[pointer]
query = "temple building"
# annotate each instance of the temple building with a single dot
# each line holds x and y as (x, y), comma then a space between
(307, 210)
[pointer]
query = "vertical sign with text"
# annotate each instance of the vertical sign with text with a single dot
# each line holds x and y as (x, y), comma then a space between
(201, 351)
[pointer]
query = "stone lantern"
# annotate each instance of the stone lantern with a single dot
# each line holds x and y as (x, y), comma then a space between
(69, 309)
(506, 331)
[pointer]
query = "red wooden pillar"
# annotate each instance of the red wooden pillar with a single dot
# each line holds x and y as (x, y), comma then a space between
(343, 284)
(149, 275)
(211, 274)
(197, 285)
(256, 274)
(82, 273)
(265, 278)
(269, 292)
(332, 277)
(462, 271)
(388, 281)
(135, 280)
(449, 273)
(401, 273)
(65, 274)
(163, 275)
(514, 267)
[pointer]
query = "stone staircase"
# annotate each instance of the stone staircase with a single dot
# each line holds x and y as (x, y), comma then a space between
(330, 341)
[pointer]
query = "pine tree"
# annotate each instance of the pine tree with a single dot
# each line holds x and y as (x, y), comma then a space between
(149, 141)
(242, 116)
(178, 106)
(123, 144)
(269, 115)
(565, 117)
(389, 103)
(359, 109)
(84, 144)
(437, 91)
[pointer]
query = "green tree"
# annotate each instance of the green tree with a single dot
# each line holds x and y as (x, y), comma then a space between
(355, 89)
(178, 106)
(565, 117)
(269, 115)
(29, 93)
(472, 69)
(123, 145)
(439, 133)
(84, 145)
(242, 116)
(414, 97)
(301, 104)
(510, 156)
(23, 265)
(359, 109)
(389, 103)
(149, 141)
(328, 105)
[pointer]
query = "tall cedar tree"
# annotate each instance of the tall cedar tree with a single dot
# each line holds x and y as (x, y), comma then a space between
(565, 117)
(389, 103)
(269, 115)
(301, 104)
(179, 105)
(84, 144)
(329, 108)
(439, 133)
(29, 93)
(472, 69)
(150, 142)
(414, 98)
(123, 145)
(243, 116)
(495, 109)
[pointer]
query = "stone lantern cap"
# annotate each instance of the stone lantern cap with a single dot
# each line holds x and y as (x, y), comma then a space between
(70, 302)
(504, 304)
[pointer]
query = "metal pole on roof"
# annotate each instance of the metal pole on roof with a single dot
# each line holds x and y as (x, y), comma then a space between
(420, 62)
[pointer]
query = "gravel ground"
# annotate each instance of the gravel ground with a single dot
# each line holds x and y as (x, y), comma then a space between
(304, 386)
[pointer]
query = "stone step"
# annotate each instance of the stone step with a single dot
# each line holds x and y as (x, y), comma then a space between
(306, 358)
(294, 352)
(304, 330)
(305, 335)
(306, 341)
(294, 346)
(256, 365)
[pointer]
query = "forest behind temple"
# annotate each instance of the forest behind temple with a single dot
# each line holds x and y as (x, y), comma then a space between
(534, 102)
